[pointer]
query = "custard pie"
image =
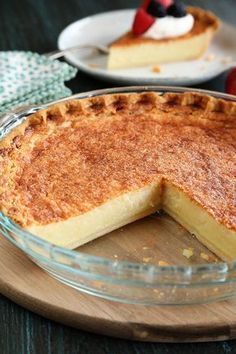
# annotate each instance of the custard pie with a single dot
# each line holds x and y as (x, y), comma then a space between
(82, 168)
(168, 39)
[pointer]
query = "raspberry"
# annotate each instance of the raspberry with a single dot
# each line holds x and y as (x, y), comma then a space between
(165, 3)
(145, 4)
(142, 22)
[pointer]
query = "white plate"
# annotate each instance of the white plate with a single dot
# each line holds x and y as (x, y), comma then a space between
(106, 27)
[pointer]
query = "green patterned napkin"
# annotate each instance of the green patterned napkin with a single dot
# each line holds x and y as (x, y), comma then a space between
(30, 78)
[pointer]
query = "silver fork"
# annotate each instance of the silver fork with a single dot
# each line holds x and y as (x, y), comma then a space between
(56, 54)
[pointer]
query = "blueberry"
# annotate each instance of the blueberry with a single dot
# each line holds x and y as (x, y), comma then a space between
(176, 10)
(155, 9)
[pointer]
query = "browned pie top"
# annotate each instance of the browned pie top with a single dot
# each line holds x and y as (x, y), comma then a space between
(72, 157)
(204, 21)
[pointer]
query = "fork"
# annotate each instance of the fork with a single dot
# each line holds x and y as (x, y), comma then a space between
(102, 49)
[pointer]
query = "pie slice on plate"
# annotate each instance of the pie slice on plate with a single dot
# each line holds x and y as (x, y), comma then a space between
(82, 168)
(132, 50)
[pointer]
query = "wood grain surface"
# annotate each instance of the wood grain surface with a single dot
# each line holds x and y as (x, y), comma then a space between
(26, 284)
(34, 25)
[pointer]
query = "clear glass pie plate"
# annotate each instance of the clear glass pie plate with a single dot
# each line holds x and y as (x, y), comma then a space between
(141, 263)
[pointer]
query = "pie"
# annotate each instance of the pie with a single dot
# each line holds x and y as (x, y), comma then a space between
(82, 168)
(133, 51)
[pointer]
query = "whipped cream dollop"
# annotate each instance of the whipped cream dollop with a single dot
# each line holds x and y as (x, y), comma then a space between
(169, 27)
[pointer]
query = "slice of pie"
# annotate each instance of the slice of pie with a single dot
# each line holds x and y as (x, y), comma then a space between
(142, 49)
(82, 168)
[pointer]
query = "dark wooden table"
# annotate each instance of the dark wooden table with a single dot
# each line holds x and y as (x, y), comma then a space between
(34, 25)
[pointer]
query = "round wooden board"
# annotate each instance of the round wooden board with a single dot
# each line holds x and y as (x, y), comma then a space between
(29, 286)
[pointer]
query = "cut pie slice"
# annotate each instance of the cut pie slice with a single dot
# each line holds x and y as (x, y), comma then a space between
(80, 169)
(132, 51)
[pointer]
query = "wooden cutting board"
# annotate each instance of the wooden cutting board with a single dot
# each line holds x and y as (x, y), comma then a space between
(29, 286)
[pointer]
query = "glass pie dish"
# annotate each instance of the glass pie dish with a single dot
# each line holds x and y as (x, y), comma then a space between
(153, 261)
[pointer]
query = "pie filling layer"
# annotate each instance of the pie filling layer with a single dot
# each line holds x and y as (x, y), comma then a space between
(81, 169)
(102, 220)
(149, 53)
(136, 205)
